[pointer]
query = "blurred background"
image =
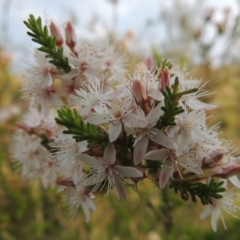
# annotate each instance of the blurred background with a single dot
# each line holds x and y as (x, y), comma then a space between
(203, 36)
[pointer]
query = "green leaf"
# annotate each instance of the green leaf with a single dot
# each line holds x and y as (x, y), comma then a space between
(41, 36)
(81, 131)
(205, 192)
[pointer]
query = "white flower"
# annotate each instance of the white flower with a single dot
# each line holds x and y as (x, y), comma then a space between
(38, 82)
(171, 161)
(225, 203)
(143, 135)
(66, 151)
(191, 100)
(108, 170)
(89, 96)
(116, 113)
(78, 196)
(33, 158)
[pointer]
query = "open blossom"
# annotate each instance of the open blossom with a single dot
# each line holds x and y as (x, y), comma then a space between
(108, 170)
(38, 82)
(116, 113)
(171, 161)
(226, 203)
(192, 100)
(66, 150)
(79, 196)
(34, 158)
(149, 132)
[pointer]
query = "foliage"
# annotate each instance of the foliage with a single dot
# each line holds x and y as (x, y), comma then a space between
(81, 131)
(197, 189)
(40, 35)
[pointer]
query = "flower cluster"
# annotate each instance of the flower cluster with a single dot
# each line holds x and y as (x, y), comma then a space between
(93, 126)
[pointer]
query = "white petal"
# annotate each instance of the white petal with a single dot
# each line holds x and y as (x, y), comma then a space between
(86, 211)
(135, 120)
(84, 111)
(156, 94)
(114, 130)
(215, 215)
(91, 204)
(73, 73)
(82, 146)
(154, 115)
(189, 165)
(235, 181)
(140, 149)
(162, 139)
(206, 212)
(96, 119)
(198, 105)
(165, 173)
(128, 171)
(157, 155)
(77, 173)
(90, 161)
(120, 187)
(109, 154)
(183, 140)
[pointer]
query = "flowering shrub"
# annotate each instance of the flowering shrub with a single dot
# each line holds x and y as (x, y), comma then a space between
(92, 126)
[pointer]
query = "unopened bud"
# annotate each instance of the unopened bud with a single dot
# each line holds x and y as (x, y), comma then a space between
(229, 171)
(67, 182)
(25, 127)
(55, 32)
(139, 91)
(185, 196)
(164, 79)
(149, 63)
(213, 161)
(70, 34)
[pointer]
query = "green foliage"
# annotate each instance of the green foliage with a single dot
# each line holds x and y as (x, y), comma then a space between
(165, 63)
(204, 191)
(170, 109)
(40, 35)
(81, 131)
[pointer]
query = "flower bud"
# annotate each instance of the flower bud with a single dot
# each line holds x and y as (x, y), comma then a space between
(139, 91)
(67, 182)
(165, 79)
(55, 32)
(229, 171)
(213, 161)
(149, 63)
(185, 196)
(70, 34)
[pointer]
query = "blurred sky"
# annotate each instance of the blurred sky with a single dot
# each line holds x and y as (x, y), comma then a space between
(91, 17)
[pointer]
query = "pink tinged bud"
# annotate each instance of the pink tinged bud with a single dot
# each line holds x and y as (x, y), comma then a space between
(211, 163)
(139, 91)
(149, 63)
(25, 127)
(55, 32)
(229, 171)
(70, 34)
(164, 80)
(67, 182)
